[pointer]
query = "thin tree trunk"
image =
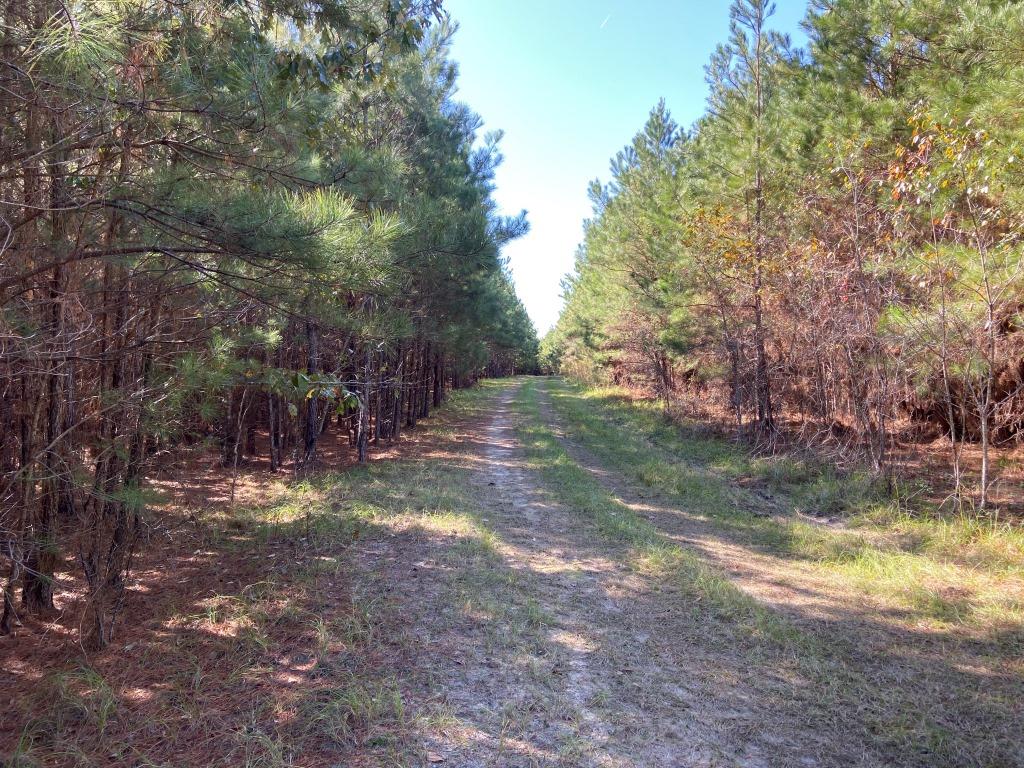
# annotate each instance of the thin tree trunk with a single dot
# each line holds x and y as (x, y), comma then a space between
(312, 403)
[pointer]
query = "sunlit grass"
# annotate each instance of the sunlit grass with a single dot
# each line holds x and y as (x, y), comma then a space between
(223, 651)
(949, 583)
(954, 571)
(649, 551)
(936, 575)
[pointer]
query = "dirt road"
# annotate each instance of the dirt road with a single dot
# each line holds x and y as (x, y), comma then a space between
(553, 650)
(508, 588)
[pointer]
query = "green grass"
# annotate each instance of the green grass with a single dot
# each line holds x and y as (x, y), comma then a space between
(355, 711)
(954, 586)
(948, 571)
(943, 576)
(648, 550)
(218, 656)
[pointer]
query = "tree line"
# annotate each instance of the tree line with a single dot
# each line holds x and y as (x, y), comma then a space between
(833, 251)
(218, 218)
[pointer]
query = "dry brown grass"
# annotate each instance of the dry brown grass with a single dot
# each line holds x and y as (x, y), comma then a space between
(239, 643)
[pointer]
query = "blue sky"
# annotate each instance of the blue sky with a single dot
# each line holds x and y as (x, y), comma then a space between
(570, 82)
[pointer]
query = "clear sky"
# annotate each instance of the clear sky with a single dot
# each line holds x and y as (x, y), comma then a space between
(570, 82)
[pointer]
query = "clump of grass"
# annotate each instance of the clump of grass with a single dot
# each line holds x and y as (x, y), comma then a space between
(533, 616)
(306, 513)
(22, 755)
(784, 471)
(358, 628)
(356, 711)
(73, 709)
(825, 493)
(247, 614)
(983, 543)
(713, 593)
(260, 749)
(75, 697)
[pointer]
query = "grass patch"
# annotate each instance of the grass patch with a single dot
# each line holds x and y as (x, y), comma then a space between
(941, 690)
(289, 655)
(957, 572)
(648, 550)
(356, 712)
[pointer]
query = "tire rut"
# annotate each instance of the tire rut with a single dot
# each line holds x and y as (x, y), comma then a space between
(614, 671)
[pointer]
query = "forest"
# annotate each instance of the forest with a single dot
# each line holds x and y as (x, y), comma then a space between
(289, 478)
(218, 217)
(831, 256)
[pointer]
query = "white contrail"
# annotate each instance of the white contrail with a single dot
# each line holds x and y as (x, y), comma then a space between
(605, 21)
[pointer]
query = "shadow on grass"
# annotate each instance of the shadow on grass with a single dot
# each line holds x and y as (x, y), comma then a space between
(244, 640)
(300, 649)
(921, 693)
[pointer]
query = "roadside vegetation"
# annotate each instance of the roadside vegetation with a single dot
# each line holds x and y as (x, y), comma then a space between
(295, 657)
(831, 257)
(647, 547)
(958, 571)
(732, 537)
(266, 228)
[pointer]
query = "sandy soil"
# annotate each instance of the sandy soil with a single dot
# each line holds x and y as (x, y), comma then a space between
(618, 672)
(519, 635)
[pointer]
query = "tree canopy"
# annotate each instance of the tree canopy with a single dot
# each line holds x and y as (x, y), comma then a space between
(218, 217)
(834, 249)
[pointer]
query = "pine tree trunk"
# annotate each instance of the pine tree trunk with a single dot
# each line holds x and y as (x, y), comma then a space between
(274, 432)
(424, 388)
(312, 367)
(438, 381)
(362, 430)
